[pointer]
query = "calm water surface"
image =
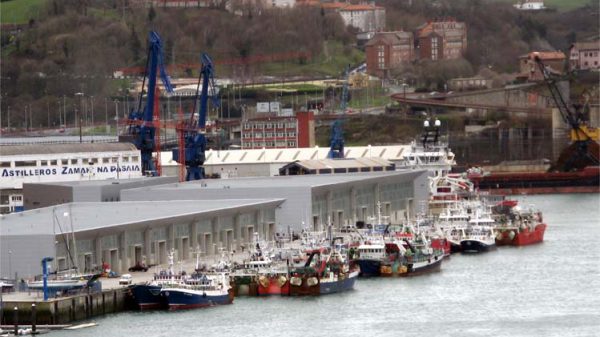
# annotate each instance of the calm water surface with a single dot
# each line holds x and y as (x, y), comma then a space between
(550, 289)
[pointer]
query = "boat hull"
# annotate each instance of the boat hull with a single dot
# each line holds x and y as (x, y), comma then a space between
(476, 246)
(188, 299)
(369, 268)
(339, 285)
(409, 268)
(273, 286)
(419, 268)
(522, 238)
(304, 286)
(148, 297)
(443, 245)
(531, 237)
(244, 286)
(455, 247)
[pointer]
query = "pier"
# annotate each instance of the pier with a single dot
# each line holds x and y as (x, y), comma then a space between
(62, 311)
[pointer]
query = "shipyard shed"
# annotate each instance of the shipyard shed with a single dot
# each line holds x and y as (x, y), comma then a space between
(342, 165)
(37, 195)
(311, 201)
(44, 163)
(268, 162)
(124, 233)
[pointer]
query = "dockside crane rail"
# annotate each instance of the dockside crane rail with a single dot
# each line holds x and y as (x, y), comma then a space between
(192, 147)
(141, 129)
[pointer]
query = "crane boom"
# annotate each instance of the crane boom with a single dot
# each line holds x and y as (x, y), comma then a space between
(193, 137)
(141, 130)
(584, 149)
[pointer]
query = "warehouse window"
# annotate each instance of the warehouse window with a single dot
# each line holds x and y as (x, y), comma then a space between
(74, 161)
(64, 161)
(25, 163)
(5, 164)
(135, 158)
(105, 160)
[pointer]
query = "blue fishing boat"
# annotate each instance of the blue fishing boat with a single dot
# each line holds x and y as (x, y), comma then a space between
(202, 290)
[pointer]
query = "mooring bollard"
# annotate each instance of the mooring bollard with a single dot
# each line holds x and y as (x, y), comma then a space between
(16, 321)
(33, 318)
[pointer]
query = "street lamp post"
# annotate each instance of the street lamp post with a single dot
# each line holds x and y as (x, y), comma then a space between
(78, 114)
(93, 126)
(117, 118)
(106, 113)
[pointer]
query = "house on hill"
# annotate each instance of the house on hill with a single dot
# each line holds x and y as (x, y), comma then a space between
(364, 17)
(442, 40)
(530, 5)
(530, 71)
(585, 55)
(387, 50)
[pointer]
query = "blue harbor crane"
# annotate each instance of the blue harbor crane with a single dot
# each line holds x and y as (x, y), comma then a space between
(192, 132)
(336, 138)
(141, 129)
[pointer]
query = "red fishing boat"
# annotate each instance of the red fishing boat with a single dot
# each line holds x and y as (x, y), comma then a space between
(520, 228)
(274, 283)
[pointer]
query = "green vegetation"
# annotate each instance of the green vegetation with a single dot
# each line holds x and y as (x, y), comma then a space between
(20, 11)
(374, 130)
(331, 62)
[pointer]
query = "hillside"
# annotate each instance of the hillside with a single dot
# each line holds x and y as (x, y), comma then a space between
(71, 46)
(20, 11)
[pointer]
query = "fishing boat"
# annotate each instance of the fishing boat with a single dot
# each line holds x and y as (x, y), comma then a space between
(369, 256)
(65, 283)
(201, 290)
(326, 271)
(274, 281)
(520, 228)
(479, 236)
(245, 276)
(453, 221)
(430, 153)
(411, 258)
(147, 296)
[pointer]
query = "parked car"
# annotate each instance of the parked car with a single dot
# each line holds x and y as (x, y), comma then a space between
(125, 279)
(139, 267)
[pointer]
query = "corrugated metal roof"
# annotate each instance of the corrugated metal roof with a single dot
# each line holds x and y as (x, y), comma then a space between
(87, 216)
(14, 150)
(277, 181)
(284, 156)
(343, 163)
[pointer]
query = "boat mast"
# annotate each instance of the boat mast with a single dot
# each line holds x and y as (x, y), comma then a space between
(75, 262)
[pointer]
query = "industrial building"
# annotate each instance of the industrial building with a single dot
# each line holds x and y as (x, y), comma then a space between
(38, 195)
(203, 216)
(268, 162)
(41, 163)
(123, 233)
(311, 201)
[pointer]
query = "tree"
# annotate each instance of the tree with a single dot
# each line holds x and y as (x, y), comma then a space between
(135, 45)
(151, 14)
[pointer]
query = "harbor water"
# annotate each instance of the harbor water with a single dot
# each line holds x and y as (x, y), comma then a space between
(549, 289)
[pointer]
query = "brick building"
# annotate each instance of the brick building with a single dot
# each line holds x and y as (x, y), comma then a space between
(530, 71)
(585, 55)
(279, 131)
(387, 50)
(445, 40)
